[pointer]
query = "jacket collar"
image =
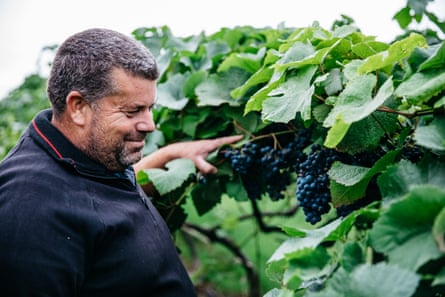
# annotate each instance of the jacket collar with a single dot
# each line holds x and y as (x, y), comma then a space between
(61, 149)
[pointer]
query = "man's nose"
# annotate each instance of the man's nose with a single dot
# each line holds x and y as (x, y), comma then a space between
(146, 123)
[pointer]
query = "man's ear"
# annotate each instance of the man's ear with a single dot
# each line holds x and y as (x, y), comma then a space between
(77, 108)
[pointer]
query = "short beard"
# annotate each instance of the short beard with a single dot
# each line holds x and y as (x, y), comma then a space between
(125, 158)
(114, 158)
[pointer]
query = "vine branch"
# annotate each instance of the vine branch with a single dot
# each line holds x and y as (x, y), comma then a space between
(259, 218)
(252, 276)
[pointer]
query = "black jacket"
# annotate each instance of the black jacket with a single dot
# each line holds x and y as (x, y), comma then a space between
(68, 227)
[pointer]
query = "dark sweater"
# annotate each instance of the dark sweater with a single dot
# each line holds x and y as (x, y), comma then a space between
(69, 227)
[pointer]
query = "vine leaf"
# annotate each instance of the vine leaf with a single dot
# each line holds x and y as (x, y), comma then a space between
(381, 279)
(422, 86)
(354, 104)
(432, 136)
(292, 96)
(247, 61)
(311, 239)
(347, 175)
(440, 278)
(368, 47)
(398, 51)
(439, 230)
(349, 183)
(399, 179)
(205, 197)
(171, 94)
(436, 60)
(216, 89)
(337, 132)
(306, 265)
(310, 57)
(178, 171)
(255, 103)
(406, 226)
(366, 134)
(261, 76)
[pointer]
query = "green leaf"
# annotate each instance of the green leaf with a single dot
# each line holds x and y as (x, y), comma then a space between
(439, 230)
(259, 77)
(171, 94)
(344, 31)
(400, 178)
(352, 256)
(439, 103)
(191, 122)
(356, 102)
(440, 278)
(366, 134)
(418, 6)
(422, 86)
(216, 89)
(292, 96)
(293, 232)
(398, 51)
(368, 48)
(312, 239)
(382, 280)
(347, 175)
(404, 231)
(294, 51)
(178, 171)
(280, 293)
(205, 197)
(337, 132)
(403, 17)
(334, 82)
(247, 61)
(236, 190)
(255, 103)
(436, 60)
(432, 136)
(309, 56)
(193, 80)
(343, 191)
(396, 181)
(305, 265)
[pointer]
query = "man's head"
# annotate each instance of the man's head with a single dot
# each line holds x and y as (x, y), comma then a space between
(102, 88)
(84, 63)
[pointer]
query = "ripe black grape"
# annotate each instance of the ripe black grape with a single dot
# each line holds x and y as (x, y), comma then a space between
(412, 153)
(267, 167)
(264, 168)
(313, 182)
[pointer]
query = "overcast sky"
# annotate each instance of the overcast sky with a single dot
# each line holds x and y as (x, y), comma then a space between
(28, 25)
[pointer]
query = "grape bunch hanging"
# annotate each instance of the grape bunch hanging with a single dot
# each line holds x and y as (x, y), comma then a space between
(268, 168)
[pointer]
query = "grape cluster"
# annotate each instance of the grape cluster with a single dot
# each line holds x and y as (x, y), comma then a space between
(313, 182)
(265, 168)
(412, 153)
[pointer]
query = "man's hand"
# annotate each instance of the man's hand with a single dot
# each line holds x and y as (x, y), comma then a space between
(196, 150)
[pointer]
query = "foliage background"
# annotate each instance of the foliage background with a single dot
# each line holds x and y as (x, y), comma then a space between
(223, 84)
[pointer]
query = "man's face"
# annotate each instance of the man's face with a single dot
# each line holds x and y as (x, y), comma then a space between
(119, 123)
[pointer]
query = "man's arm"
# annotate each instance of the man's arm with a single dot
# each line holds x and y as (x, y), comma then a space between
(197, 151)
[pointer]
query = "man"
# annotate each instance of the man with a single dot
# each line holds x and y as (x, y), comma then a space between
(73, 220)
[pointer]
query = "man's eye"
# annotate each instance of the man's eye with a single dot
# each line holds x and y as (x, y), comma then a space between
(131, 113)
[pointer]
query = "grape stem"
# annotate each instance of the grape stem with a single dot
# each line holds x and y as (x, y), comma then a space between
(406, 114)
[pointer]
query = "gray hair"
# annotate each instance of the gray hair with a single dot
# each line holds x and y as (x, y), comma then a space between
(85, 61)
